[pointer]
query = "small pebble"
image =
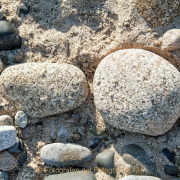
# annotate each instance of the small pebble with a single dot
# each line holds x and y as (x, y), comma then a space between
(21, 119)
(76, 136)
(170, 156)
(23, 9)
(16, 56)
(97, 131)
(94, 142)
(81, 132)
(7, 161)
(14, 148)
(4, 175)
(126, 24)
(21, 145)
(171, 170)
(28, 132)
(6, 120)
(63, 134)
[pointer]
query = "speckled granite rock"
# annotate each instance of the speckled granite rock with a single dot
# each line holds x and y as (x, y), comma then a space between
(140, 163)
(138, 91)
(139, 178)
(105, 162)
(43, 89)
(81, 175)
(9, 36)
(6, 120)
(65, 154)
(21, 119)
(1, 66)
(8, 137)
(171, 40)
(7, 161)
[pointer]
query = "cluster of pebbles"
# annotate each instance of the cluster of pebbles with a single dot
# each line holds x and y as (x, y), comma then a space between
(134, 90)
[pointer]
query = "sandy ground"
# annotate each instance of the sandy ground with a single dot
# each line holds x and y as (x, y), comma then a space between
(82, 33)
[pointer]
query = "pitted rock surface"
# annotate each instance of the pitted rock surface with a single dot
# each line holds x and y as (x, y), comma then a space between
(137, 91)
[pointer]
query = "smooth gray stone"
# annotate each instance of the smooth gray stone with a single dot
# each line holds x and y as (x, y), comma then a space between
(132, 177)
(6, 120)
(21, 119)
(65, 154)
(80, 175)
(14, 148)
(4, 175)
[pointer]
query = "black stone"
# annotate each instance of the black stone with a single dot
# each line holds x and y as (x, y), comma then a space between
(9, 36)
(170, 156)
(23, 9)
(171, 170)
(95, 142)
(21, 145)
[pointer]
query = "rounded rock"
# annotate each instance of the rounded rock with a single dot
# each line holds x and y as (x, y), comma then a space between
(8, 137)
(9, 36)
(7, 161)
(6, 120)
(171, 170)
(21, 119)
(28, 132)
(171, 40)
(137, 91)
(65, 154)
(14, 148)
(43, 89)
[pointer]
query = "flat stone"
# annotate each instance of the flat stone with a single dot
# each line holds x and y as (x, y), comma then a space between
(21, 119)
(139, 178)
(81, 175)
(138, 91)
(65, 154)
(171, 40)
(14, 148)
(4, 175)
(43, 89)
(140, 163)
(8, 137)
(7, 161)
(1, 66)
(105, 161)
(9, 36)
(171, 170)
(6, 120)
(28, 132)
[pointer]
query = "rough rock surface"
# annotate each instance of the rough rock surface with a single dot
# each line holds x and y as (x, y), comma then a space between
(6, 120)
(171, 40)
(138, 91)
(81, 175)
(140, 163)
(139, 178)
(8, 137)
(65, 154)
(7, 161)
(9, 36)
(43, 89)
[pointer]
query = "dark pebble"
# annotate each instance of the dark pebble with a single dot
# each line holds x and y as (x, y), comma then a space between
(28, 132)
(9, 36)
(22, 158)
(89, 123)
(21, 145)
(14, 148)
(23, 9)
(95, 142)
(171, 170)
(170, 156)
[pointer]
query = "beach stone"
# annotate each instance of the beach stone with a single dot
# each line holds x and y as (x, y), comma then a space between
(169, 155)
(23, 9)
(21, 119)
(138, 91)
(1, 66)
(171, 170)
(43, 89)
(4, 175)
(133, 177)
(105, 161)
(7, 161)
(171, 40)
(6, 120)
(14, 148)
(16, 56)
(63, 134)
(97, 130)
(9, 36)
(28, 132)
(8, 137)
(94, 142)
(65, 154)
(80, 175)
(140, 163)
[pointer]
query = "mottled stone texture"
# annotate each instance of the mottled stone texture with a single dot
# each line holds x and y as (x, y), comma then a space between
(139, 178)
(43, 89)
(171, 40)
(138, 91)
(65, 154)
(6, 120)
(7, 137)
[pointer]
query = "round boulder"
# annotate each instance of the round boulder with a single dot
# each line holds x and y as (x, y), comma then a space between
(43, 89)
(137, 91)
